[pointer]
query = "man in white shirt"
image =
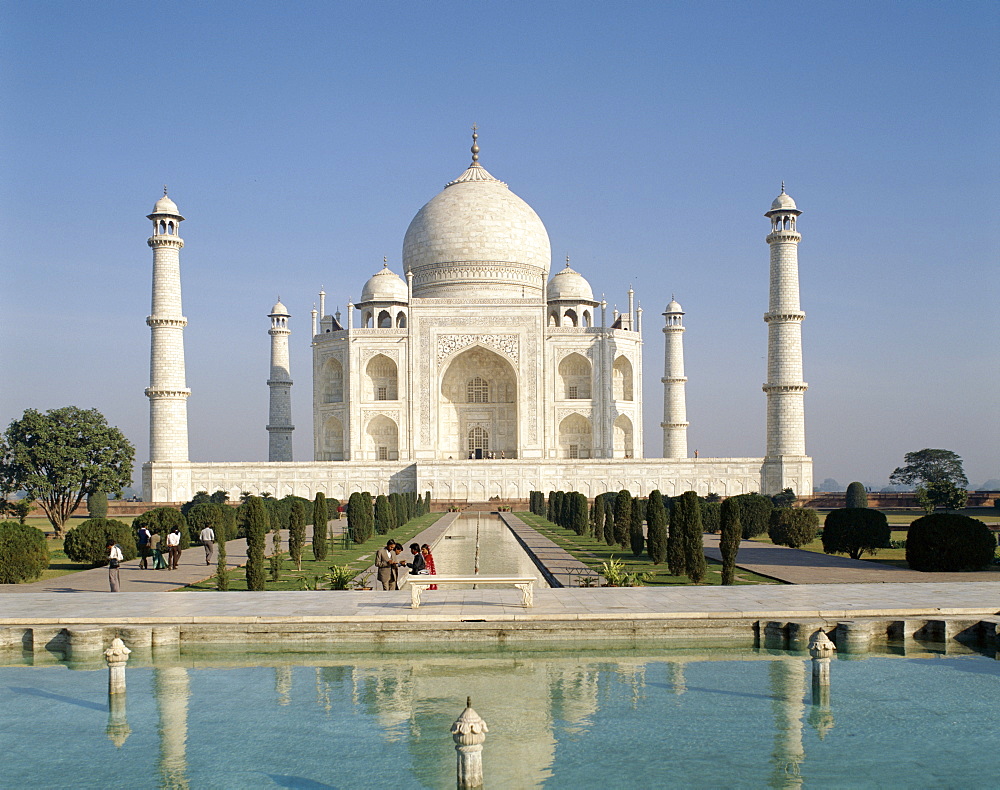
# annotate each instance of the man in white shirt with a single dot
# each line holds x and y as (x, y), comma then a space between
(115, 558)
(174, 548)
(207, 537)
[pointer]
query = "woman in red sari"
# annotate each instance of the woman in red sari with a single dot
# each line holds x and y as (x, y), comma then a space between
(429, 559)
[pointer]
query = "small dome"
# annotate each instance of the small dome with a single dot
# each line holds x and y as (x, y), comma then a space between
(384, 286)
(279, 309)
(674, 307)
(569, 285)
(783, 202)
(165, 206)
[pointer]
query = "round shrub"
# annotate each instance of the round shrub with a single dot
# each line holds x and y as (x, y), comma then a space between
(855, 531)
(792, 526)
(88, 541)
(856, 495)
(949, 542)
(23, 553)
(161, 520)
(754, 513)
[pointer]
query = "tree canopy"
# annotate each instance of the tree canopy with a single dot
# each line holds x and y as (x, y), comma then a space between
(59, 457)
(930, 466)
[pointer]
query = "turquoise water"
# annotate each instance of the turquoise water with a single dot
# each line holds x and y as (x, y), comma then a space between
(594, 718)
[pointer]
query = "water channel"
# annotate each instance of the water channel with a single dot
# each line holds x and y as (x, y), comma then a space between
(498, 554)
(559, 717)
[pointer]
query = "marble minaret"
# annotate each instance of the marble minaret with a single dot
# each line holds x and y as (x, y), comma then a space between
(675, 422)
(167, 391)
(786, 431)
(279, 424)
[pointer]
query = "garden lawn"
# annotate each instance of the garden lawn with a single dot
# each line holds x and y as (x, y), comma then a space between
(59, 563)
(358, 557)
(593, 553)
(895, 557)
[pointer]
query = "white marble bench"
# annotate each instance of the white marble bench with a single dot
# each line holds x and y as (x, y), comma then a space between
(419, 582)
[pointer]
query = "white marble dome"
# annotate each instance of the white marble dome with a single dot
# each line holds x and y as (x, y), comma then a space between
(783, 202)
(570, 285)
(279, 309)
(674, 307)
(384, 286)
(165, 206)
(477, 239)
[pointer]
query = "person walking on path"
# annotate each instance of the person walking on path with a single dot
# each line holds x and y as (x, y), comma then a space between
(174, 548)
(429, 561)
(144, 548)
(385, 570)
(115, 558)
(154, 548)
(207, 537)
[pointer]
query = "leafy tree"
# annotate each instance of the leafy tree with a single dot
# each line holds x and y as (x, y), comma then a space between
(87, 542)
(856, 495)
(930, 466)
(59, 457)
(256, 524)
(97, 504)
(755, 512)
(206, 514)
(162, 520)
(786, 498)
(229, 526)
(656, 527)
(729, 539)
(710, 515)
(24, 553)
(711, 496)
(855, 531)
(200, 498)
(296, 532)
(635, 536)
(19, 509)
(623, 517)
(942, 493)
(320, 519)
(688, 514)
(383, 516)
(949, 542)
(793, 526)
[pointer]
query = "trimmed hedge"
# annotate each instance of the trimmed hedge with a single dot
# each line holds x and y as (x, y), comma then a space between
(88, 541)
(206, 514)
(23, 553)
(856, 496)
(793, 527)
(855, 531)
(949, 542)
(97, 504)
(754, 513)
(161, 520)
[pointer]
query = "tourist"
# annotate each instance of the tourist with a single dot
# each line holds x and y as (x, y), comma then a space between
(115, 558)
(429, 561)
(397, 563)
(417, 564)
(384, 566)
(143, 545)
(154, 548)
(174, 548)
(207, 537)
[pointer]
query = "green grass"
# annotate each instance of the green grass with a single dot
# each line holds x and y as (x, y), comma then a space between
(593, 553)
(900, 518)
(358, 557)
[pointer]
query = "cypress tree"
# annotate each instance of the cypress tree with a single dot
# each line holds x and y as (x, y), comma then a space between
(635, 536)
(97, 504)
(856, 495)
(550, 506)
(383, 516)
(320, 517)
(694, 550)
(566, 510)
(557, 501)
(357, 518)
(296, 531)
(676, 561)
(609, 517)
(580, 520)
(729, 540)
(401, 517)
(656, 528)
(755, 513)
(255, 525)
(598, 518)
(427, 502)
(623, 517)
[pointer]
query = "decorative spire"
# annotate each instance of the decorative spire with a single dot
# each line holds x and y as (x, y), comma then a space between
(164, 190)
(385, 262)
(567, 260)
(475, 145)
(782, 187)
(475, 171)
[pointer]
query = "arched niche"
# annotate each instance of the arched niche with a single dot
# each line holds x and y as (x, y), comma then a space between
(401, 320)
(623, 437)
(382, 439)
(575, 374)
(333, 439)
(332, 381)
(570, 318)
(381, 380)
(575, 437)
(478, 390)
(384, 319)
(621, 376)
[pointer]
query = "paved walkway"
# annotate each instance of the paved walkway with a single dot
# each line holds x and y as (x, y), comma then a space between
(560, 568)
(797, 566)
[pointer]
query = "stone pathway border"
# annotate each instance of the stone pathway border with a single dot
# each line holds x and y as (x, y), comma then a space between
(558, 566)
(797, 566)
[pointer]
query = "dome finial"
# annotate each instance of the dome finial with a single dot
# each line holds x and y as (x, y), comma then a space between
(567, 260)
(385, 262)
(475, 145)
(782, 187)
(164, 190)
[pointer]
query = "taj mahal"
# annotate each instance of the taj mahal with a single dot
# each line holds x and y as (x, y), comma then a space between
(476, 375)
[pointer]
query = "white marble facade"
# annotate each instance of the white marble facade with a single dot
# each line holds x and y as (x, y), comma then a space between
(476, 350)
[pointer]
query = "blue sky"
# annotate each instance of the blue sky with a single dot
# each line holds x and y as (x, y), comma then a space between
(300, 138)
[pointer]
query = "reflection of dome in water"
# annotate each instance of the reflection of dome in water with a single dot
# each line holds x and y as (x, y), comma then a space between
(476, 238)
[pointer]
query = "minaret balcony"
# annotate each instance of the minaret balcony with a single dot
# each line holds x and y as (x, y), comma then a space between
(784, 315)
(156, 320)
(799, 386)
(783, 236)
(165, 241)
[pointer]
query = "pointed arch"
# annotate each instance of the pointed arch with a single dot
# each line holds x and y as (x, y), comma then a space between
(575, 437)
(381, 379)
(332, 381)
(622, 378)
(478, 389)
(623, 437)
(382, 439)
(333, 439)
(575, 373)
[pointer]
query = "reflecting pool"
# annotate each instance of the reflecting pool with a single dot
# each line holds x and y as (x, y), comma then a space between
(499, 553)
(646, 717)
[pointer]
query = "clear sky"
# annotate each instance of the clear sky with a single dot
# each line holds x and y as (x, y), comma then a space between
(300, 138)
